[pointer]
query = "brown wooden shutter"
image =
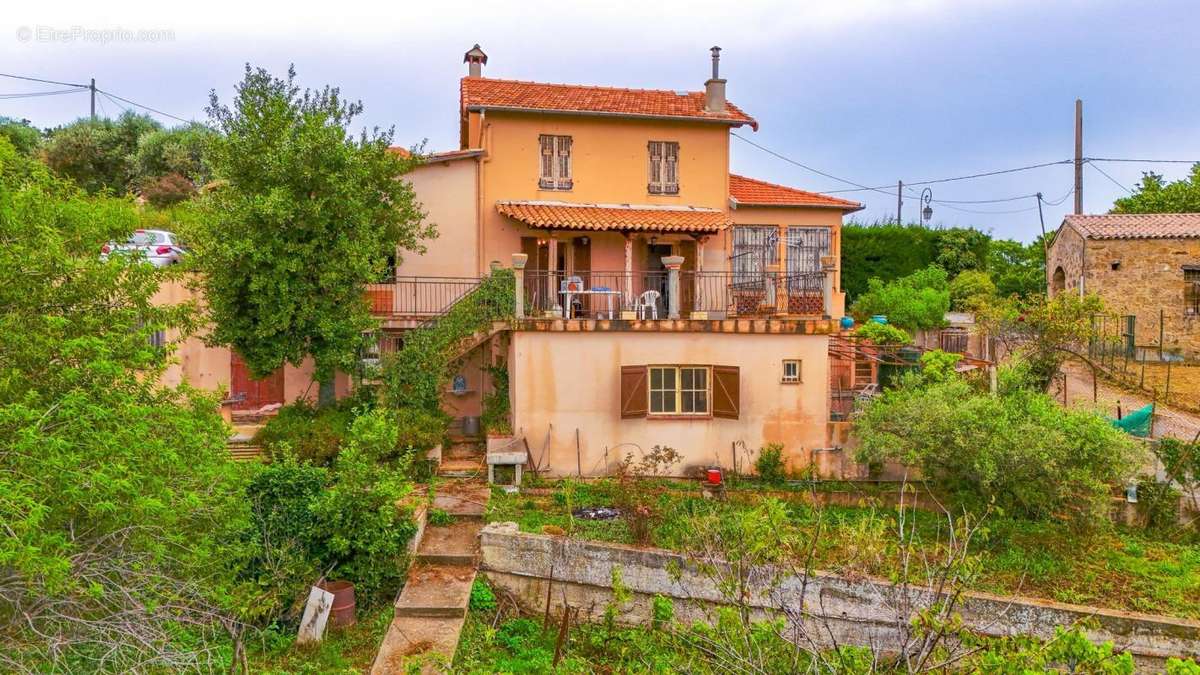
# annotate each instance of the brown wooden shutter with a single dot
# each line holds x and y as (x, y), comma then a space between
(565, 181)
(654, 186)
(546, 174)
(670, 171)
(634, 396)
(726, 395)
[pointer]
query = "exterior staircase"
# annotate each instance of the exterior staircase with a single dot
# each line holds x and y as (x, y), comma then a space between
(465, 457)
(432, 607)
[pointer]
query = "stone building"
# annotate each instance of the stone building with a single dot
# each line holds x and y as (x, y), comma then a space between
(1144, 265)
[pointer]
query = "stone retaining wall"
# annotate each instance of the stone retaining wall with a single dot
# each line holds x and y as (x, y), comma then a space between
(855, 611)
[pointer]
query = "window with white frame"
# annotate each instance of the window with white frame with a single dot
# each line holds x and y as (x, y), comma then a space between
(555, 167)
(664, 168)
(791, 371)
(679, 390)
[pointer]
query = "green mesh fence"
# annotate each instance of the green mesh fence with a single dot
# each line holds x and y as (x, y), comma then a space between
(1136, 423)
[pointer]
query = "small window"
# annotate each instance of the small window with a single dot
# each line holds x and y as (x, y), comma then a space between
(555, 166)
(158, 339)
(1191, 289)
(664, 168)
(791, 371)
(679, 390)
(1115, 265)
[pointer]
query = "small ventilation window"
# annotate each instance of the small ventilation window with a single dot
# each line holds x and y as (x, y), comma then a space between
(791, 371)
(1115, 265)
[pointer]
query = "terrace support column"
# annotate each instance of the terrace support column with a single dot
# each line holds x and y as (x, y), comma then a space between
(519, 260)
(552, 278)
(630, 297)
(673, 263)
(829, 267)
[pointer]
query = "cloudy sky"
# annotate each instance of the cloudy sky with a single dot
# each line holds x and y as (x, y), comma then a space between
(869, 91)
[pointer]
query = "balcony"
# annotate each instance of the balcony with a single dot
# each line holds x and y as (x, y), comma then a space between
(647, 295)
(404, 300)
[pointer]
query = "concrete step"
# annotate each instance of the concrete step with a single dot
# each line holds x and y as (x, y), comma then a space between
(462, 499)
(440, 591)
(454, 544)
(462, 468)
(465, 450)
(410, 638)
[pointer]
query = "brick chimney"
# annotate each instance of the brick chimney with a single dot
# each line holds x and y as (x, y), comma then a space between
(475, 60)
(714, 88)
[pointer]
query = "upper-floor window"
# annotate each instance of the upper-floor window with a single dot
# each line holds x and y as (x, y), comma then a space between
(664, 168)
(555, 162)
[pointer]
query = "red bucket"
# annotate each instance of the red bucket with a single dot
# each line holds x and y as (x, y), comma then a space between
(713, 476)
(342, 613)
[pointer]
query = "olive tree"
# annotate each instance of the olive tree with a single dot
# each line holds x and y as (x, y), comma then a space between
(303, 215)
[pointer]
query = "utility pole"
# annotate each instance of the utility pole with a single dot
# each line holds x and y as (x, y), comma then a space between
(92, 89)
(1078, 157)
(899, 200)
(1045, 245)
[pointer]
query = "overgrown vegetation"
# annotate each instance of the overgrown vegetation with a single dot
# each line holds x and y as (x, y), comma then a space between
(121, 510)
(1042, 332)
(919, 300)
(497, 407)
(883, 333)
(1016, 450)
(415, 376)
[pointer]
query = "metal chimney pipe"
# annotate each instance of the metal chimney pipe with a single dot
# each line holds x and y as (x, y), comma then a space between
(716, 56)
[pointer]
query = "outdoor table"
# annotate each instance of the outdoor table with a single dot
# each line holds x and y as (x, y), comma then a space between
(608, 292)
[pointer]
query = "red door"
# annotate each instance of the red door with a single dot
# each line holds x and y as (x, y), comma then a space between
(249, 393)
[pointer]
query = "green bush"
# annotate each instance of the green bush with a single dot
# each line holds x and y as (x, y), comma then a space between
(938, 366)
(311, 434)
(496, 405)
(769, 464)
(883, 333)
(919, 300)
(1018, 450)
(482, 598)
(343, 521)
(971, 290)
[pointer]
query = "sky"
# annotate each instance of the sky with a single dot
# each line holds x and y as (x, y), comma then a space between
(869, 91)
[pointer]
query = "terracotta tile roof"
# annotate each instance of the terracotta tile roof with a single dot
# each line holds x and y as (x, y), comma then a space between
(750, 191)
(1137, 225)
(444, 156)
(486, 93)
(619, 217)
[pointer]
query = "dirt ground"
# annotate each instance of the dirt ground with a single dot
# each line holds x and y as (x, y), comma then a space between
(1169, 420)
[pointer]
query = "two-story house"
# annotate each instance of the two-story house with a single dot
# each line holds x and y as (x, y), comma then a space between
(665, 301)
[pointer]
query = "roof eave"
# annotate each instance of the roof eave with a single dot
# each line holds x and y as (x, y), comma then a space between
(735, 204)
(602, 113)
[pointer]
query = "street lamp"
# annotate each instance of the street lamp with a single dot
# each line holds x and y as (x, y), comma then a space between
(927, 212)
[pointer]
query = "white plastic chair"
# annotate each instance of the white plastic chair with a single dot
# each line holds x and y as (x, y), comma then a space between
(647, 302)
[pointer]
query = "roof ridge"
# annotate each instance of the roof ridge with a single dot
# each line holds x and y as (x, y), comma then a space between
(685, 208)
(675, 92)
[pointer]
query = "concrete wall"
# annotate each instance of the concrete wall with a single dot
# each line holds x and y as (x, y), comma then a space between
(855, 611)
(571, 380)
(448, 192)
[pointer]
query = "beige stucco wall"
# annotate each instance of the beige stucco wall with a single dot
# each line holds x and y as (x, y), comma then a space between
(1149, 278)
(609, 166)
(448, 193)
(572, 381)
(208, 368)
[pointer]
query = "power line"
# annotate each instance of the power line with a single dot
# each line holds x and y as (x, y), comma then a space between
(1142, 161)
(145, 107)
(115, 102)
(769, 151)
(1114, 180)
(35, 94)
(38, 79)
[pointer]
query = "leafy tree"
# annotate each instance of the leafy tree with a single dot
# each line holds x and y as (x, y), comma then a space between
(883, 333)
(1017, 450)
(1016, 268)
(24, 137)
(306, 216)
(971, 290)
(179, 151)
(919, 300)
(1045, 332)
(883, 251)
(1155, 195)
(961, 249)
(119, 503)
(98, 154)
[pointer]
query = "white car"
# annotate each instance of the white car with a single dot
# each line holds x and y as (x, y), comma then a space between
(158, 247)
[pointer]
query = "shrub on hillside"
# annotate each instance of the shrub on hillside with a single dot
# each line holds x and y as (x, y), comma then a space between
(1017, 450)
(971, 290)
(310, 434)
(883, 333)
(769, 465)
(919, 300)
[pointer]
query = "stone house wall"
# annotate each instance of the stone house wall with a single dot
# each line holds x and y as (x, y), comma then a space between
(1138, 277)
